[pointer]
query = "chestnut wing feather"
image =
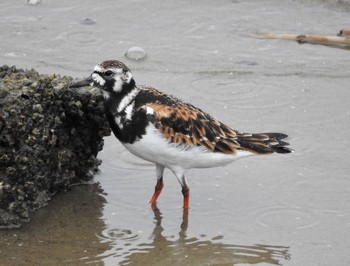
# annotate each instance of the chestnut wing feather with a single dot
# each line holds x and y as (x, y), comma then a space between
(184, 124)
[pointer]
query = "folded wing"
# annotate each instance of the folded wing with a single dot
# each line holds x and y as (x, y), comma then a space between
(186, 125)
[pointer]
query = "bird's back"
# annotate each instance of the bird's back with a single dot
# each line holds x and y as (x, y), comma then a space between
(185, 125)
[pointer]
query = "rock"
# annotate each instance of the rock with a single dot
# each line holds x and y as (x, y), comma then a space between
(136, 53)
(34, 2)
(50, 136)
(87, 21)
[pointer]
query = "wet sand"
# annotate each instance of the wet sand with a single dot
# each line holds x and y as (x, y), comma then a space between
(269, 210)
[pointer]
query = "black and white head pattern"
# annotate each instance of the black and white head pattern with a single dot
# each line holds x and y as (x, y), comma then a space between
(111, 76)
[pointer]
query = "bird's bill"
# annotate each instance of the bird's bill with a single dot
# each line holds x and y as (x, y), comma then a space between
(85, 82)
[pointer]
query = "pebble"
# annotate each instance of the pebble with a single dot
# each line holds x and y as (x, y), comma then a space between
(34, 2)
(136, 53)
(87, 21)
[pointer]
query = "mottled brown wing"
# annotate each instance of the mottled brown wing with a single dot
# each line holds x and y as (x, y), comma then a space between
(184, 124)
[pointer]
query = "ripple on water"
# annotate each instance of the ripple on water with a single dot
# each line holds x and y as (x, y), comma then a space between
(121, 241)
(280, 217)
(125, 161)
(234, 90)
(161, 248)
(335, 192)
(195, 251)
(115, 234)
(81, 37)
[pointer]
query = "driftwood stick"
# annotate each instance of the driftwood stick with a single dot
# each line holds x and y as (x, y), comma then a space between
(344, 32)
(308, 39)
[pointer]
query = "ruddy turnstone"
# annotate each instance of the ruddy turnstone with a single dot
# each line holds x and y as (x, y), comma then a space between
(170, 132)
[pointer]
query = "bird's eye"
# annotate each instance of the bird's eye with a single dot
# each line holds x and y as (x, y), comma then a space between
(108, 73)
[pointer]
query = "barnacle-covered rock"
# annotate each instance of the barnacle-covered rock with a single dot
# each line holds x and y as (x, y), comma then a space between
(49, 138)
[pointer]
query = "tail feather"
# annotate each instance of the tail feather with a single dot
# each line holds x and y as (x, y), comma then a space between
(264, 143)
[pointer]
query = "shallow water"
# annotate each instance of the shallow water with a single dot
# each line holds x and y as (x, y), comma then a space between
(287, 210)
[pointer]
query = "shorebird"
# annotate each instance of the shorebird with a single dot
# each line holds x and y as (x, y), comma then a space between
(169, 132)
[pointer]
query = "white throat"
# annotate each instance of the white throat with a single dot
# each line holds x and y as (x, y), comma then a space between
(120, 79)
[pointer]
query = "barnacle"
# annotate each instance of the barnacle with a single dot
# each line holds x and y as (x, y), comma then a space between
(49, 138)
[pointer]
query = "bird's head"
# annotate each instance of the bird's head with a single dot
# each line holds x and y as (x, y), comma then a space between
(112, 77)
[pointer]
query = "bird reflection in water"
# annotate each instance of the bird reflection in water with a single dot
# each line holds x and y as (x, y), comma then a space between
(193, 251)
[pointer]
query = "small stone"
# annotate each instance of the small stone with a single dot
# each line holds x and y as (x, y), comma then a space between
(87, 21)
(136, 53)
(247, 62)
(34, 2)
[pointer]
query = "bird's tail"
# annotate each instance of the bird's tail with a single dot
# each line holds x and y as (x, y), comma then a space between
(263, 143)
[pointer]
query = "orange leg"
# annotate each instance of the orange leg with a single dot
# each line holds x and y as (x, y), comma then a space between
(179, 173)
(186, 193)
(184, 224)
(157, 190)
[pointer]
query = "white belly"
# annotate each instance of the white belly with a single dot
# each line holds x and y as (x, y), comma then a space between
(154, 147)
